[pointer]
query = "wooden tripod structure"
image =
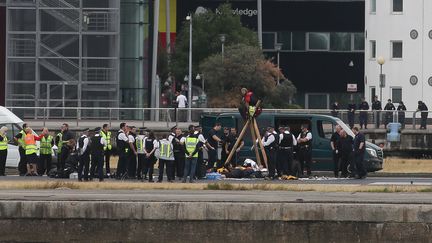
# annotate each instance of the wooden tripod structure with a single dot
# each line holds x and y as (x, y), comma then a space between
(253, 125)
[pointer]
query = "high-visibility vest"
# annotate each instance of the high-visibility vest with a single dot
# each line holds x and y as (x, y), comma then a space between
(165, 150)
(139, 142)
(107, 138)
(30, 144)
(21, 140)
(45, 145)
(60, 142)
(4, 143)
(191, 143)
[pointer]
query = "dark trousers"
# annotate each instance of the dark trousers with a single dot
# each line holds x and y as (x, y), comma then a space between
(44, 164)
(351, 119)
(190, 167)
(22, 165)
(360, 168)
(234, 159)
(345, 160)
(122, 164)
(141, 159)
(3, 157)
(284, 160)
(97, 160)
(132, 168)
(271, 155)
(149, 166)
(424, 116)
(107, 161)
(401, 119)
(377, 118)
(179, 163)
(169, 164)
(84, 164)
(212, 158)
(388, 118)
(363, 117)
(336, 163)
(305, 159)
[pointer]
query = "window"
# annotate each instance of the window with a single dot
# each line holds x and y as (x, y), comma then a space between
(340, 41)
(268, 41)
(372, 49)
(319, 41)
(325, 129)
(299, 41)
(359, 42)
(396, 49)
(396, 95)
(372, 6)
(373, 93)
(285, 39)
(397, 6)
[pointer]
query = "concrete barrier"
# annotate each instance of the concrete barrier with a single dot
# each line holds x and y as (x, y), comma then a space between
(104, 221)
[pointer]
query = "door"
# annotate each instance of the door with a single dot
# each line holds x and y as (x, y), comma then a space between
(322, 154)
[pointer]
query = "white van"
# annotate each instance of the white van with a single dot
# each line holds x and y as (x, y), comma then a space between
(14, 125)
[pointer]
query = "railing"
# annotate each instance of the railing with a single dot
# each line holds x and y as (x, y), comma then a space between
(22, 47)
(68, 14)
(60, 3)
(101, 21)
(64, 68)
(165, 117)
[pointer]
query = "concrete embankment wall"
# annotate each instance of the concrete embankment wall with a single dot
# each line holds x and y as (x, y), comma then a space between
(100, 221)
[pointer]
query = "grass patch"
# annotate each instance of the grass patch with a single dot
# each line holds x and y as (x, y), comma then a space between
(399, 165)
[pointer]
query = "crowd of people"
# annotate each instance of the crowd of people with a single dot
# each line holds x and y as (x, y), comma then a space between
(389, 110)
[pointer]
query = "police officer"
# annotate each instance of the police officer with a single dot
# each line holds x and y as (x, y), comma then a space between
(200, 170)
(139, 143)
(345, 147)
(106, 134)
(351, 113)
(132, 153)
(179, 154)
(270, 145)
(334, 143)
(83, 149)
(97, 153)
(376, 107)
(19, 138)
(166, 158)
(191, 147)
(3, 149)
(359, 150)
(45, 158)
(304, 141)
(389, 107)
(62, 137)
(122, 141)
(424, 114)
(285, 156)
(363, 117)
(401, 113)
(150, 145)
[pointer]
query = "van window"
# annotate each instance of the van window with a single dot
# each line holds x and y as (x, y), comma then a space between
(13, 129)
(325, 129)
(294, 124)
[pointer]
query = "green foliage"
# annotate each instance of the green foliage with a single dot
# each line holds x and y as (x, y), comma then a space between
(207, 28)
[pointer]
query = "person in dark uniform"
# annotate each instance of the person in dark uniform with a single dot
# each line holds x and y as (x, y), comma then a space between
(334, 143)
(376, 107)
(213, 141)
(122, 141)
(401, 114)
(335, 109)
(83, 149)
(345, 148)
(287, 141)
(226, 133)
(229, 145)
(19, 138)
(132, 153)
(363, 117)
(270, 145)
(200, 168)
(389, 115)
(150, 144)
(304, 141)
(64, 136)
(97, 153)
(359, 150)
(424, 115)
(179, 153)
(351, 113)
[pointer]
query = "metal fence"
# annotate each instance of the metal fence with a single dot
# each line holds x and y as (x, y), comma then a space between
(165, 117)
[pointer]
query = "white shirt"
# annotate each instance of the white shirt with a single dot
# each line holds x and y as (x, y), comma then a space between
(308, 136)
(85, 144)
(200, 137)
(270, 139)
(181, 101)
(293, 138)
(131, 139)
(171, 137)
(122, 136)
(102, 140)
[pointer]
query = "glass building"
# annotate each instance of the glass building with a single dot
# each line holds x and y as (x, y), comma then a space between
(76, 53)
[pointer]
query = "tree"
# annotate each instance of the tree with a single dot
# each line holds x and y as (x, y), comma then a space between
(207, 28)
(244, 66)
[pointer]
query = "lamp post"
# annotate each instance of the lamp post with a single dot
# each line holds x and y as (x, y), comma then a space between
(381, 61)
(200, 77)
(189, 18)
(278, 47)
(222, 38)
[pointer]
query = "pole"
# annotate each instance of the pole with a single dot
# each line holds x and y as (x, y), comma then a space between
(259, 22)
(278, 66)
(155, 49)
(157, 101)
(168, 29)
(381, 83)
(190, 72)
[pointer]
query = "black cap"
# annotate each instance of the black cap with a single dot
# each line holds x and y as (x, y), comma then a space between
(270, 127)
(401, 102)
(86, 130)
(97, 129)
(174, 127)
(191, 127)
(420, 102)
(197, 126)
(389, 100)
(142, 128)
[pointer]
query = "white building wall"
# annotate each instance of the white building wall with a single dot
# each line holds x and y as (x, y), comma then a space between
(385, 26)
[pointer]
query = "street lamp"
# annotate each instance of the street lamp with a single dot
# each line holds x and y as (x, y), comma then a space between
(222, 38)
(189, 18)
(198, 77)
(278, 47)
(381, 61)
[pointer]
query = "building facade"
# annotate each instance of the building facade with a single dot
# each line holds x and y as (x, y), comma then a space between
(400, 31)
(75, 53)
